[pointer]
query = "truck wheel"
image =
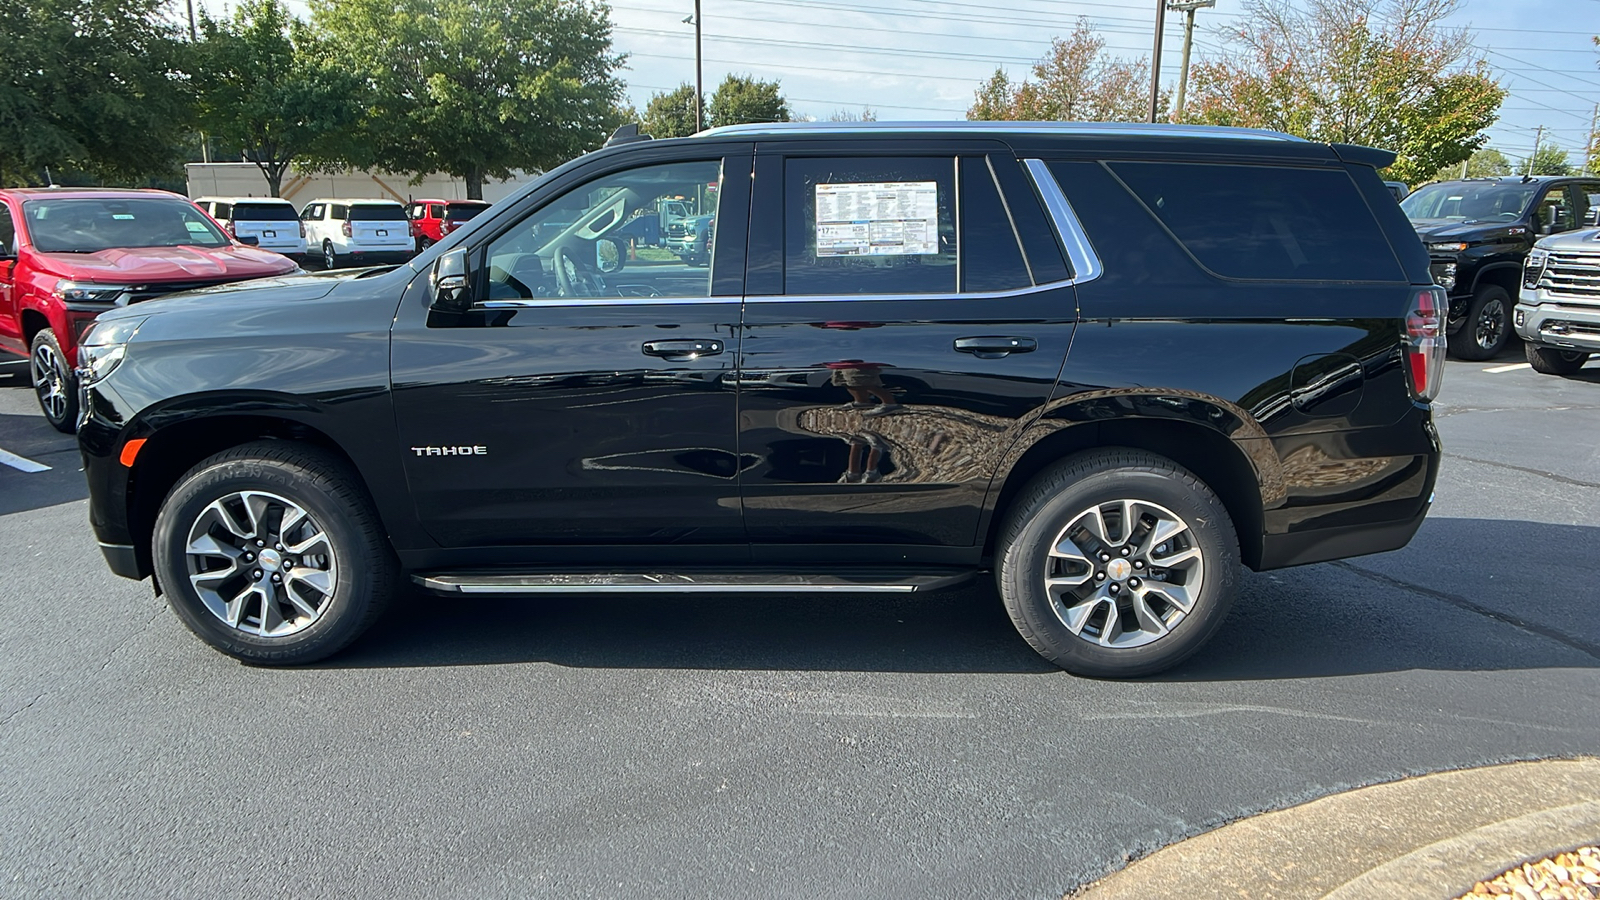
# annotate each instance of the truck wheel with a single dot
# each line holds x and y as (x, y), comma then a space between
(330, 257)
(54, 382)
(1554, 360)
(271, 553)
(1486, 330)
(1117, 563)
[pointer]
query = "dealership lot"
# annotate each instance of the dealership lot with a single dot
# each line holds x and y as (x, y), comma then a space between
(728, 747)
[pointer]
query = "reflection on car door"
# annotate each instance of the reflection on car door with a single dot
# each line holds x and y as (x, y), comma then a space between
(594, 409)
(895, 342)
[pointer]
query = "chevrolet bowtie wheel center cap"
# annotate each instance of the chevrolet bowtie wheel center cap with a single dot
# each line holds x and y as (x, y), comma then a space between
(1117, 569)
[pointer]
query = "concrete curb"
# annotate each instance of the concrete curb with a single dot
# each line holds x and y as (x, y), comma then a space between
(1433, 836)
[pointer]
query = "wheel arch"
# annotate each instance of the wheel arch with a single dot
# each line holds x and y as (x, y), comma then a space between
(1243, 472)
(1505, 275)
(33, 322)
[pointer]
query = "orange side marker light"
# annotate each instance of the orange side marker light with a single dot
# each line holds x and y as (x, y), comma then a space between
(131, 450)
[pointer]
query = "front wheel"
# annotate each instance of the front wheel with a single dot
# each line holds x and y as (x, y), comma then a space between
(1555, 361)
(1486, 330)
(271, 553)
(53, 382)
(1117, 563)
(330, 257)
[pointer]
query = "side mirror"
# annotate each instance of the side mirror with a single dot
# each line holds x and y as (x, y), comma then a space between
(250, 240)
(449, 281)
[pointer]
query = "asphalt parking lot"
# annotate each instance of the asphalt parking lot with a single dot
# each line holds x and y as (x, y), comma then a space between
(777, 747)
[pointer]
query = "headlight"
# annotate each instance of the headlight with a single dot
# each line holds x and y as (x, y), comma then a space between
(1454, 247)
(103, 345)
(1533, 269)
(1444, 275)
(87, 292)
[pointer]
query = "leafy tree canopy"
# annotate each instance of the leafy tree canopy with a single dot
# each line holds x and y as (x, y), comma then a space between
(1385, 73)
(742, 99)
(91, 85)
(671, 114)
(1547, 160)
(1075, 82)
(475, 88)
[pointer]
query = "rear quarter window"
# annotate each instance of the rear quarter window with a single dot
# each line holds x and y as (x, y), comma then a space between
(376, 213)
(263, 212)
(1272, 223)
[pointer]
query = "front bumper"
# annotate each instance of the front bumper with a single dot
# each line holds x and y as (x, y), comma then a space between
(1553, 324)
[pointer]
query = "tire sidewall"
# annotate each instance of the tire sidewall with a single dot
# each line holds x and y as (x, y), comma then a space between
(1024, 564)
(340, 620)
(69, 421)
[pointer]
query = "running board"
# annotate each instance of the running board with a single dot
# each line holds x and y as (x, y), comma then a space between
(879, 581)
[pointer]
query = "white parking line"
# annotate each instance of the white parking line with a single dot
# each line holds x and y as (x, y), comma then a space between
(18, 462)
(1509, 368)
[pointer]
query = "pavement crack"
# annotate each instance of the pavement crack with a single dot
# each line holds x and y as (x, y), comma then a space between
(1575, 482)
(22, 709)
(1582, 646)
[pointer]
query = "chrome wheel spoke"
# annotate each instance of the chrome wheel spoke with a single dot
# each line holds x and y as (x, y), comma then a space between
(1112, 629)
(287, 563)
(1148, 620)
(1177, 558)
(1076, 617)
(1176, 594)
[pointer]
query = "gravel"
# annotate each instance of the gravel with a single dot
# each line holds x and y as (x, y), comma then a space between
(1565, 876)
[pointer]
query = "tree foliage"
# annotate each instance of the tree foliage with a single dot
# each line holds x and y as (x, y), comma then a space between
(1076, 81)
(92, 85)
(866, 114)
(263, 84)
(1385, 73)
(1547, 160)
(742, 99)
(475, 88)
(671, 114)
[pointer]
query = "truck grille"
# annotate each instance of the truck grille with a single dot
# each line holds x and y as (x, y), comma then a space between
(1572, 274)
(676, 230)
(140, 292)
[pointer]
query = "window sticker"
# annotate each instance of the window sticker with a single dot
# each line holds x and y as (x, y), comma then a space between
(120, 216)
(196, 227)
(886, 218)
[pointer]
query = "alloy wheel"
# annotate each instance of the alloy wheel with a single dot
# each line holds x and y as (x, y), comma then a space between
(1491, 324)
(1123, 574)
(50, 381)
(261, 564)
(329, 258)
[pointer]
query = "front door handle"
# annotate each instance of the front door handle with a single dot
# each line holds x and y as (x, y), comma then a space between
(682, 349)
(995, 347)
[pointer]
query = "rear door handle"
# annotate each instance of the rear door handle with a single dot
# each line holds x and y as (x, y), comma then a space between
(682, 349)
(995, 347)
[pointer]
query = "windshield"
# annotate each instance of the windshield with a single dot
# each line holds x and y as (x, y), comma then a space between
(378, 213)
(90, 224)
(1470, 201)
(264, 212)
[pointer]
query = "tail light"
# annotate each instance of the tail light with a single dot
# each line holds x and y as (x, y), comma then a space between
(345, 228)
(227, 226)
(1425, 344)
(302, 229)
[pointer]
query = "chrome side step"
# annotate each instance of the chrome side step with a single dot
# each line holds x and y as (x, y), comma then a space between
(877, 581)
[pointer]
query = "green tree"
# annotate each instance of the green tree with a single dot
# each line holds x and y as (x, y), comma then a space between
(671, 114)
(264, 85)
(92, 85)
(741, 99)
(867, 114)
(1076, 81)
(475, 88)
(1488, 163)
(1547, 160)
(1386, 73)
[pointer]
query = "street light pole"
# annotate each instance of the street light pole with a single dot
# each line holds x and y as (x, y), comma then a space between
(699, 86)
(1155, 59)
(1186, 6)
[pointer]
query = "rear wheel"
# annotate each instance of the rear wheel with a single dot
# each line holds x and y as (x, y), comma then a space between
(1554, 360)
(1117, 563)
(271, 553)
(1485, 332)
(424, 243)
(330, 257)
(53, 382)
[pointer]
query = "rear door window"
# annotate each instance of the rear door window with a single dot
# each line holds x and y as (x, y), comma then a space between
(991, 258)
(1276, 223)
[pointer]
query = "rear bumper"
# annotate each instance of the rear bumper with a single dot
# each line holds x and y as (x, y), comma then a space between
(1556, 325)
(381, 257)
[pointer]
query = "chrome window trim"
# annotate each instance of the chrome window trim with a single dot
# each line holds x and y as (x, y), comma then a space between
(934, 297)
(1093, 129)
(1086, 264)
(560, 302)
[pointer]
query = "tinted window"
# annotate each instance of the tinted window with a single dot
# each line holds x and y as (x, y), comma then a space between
(435, 211)
(377, 213)
(461, 212)
(869, 226)
(990, 257)
(340, 211)
(312, 212)
(1266, 222)
(85, 225)
(1557, 211)
(1480, 201)
(8, 232)
(219, 210)
(263, 212)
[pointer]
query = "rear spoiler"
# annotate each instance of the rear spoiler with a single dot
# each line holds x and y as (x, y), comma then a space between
(1364, 156)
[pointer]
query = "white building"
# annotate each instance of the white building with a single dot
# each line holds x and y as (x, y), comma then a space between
(242, 179)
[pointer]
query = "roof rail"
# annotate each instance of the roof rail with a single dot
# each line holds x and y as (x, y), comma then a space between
(1097, 129)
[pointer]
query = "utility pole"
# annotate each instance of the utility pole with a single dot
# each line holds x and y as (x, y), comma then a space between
(1538, 138)
(1155, 59)
(194, 38)
(1188, 7)
(699, 86)
(1592, 147)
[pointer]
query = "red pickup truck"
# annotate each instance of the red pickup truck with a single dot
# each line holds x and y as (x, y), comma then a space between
(67, 255)
(431, 220)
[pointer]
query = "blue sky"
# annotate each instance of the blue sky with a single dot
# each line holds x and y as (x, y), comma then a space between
(922, 59)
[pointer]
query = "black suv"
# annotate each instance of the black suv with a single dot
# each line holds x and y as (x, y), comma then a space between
(1478, 232)
(1107, 363)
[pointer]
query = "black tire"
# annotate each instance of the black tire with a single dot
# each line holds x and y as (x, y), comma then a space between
(1058, 498)
(1487, 327)
(54, 384)
(362, 583)
(1554, 360)
(424, 243)
(330, 257)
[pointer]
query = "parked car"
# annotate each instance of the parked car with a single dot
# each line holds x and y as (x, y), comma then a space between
(67, 255)
(1558, 315)
(358, 232)
(266, 222)
(1478, 232)
(1254, 347)
(431, 220)
(691, 239)
(1398, 189)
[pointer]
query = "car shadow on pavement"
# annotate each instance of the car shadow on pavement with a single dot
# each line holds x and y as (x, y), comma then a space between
(1457, 599)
